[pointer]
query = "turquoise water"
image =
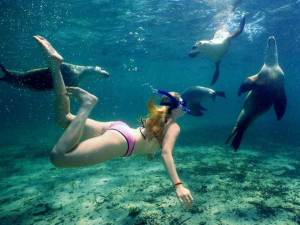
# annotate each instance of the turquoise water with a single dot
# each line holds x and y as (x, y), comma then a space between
(145, 44)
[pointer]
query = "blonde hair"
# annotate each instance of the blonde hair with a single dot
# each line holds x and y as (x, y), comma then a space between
(157, 118)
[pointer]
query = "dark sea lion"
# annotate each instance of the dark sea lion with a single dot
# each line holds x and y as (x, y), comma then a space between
(265, 89)
(195, 96)
(217, 47)
(40, 79)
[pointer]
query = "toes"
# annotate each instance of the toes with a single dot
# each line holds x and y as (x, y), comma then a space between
(42, 41)
(105, 73)
(75, 91)
(72, 89)
(39, 38)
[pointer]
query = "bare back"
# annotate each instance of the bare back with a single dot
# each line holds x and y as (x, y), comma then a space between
(146, 145)
(142, 145)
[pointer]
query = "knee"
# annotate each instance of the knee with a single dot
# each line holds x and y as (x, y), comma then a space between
(56, 158)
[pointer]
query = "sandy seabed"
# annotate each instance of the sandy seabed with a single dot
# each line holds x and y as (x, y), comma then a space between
(252, 186)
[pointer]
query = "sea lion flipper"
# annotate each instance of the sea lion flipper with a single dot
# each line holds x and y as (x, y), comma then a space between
(216, 73)
(236, 137)
(236, 142)
(280, 102)
(196, 109)
(239, 129)
(4, 70)
(240, 28)
(233, 132)
(247, 85)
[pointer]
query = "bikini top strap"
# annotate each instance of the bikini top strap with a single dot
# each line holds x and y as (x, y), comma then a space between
(142, 126)
(143, 122)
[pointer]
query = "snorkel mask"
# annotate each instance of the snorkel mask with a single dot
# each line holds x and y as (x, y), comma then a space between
(173, 102)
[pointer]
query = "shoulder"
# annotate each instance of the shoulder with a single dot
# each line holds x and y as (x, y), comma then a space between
(170, 136)
(172, 128)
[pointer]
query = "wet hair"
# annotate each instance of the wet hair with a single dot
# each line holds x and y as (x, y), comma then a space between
(158, 116)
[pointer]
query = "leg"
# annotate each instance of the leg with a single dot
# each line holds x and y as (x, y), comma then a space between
(68, 152)
(54, 60)
(62, 102)
(92, 127)
(73, 133)
(92, 151)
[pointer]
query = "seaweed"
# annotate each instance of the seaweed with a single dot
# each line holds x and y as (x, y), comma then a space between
(263, 209)
(134, 211)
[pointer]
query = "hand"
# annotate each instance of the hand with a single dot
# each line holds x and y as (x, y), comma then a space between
(184, 195)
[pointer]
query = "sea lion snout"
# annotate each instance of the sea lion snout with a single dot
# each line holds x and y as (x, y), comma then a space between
(195, 49)
(193, 53)
(271, 42)
(271, 56)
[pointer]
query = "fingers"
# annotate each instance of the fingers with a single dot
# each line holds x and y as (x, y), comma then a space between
(186, 200)
(181, 200)
(190, 197)
(190, 200)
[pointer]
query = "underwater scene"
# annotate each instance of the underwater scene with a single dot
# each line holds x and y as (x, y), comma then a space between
(150, 112)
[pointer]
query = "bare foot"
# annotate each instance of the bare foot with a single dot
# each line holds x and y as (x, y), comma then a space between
(101, 71)
(84, 97)
(52, 55)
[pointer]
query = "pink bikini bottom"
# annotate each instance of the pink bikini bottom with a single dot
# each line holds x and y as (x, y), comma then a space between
(126, 131)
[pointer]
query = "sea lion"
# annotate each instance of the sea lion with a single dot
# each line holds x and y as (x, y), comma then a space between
(40, 79)
(194, 97)
(265, 89)
(217, 47)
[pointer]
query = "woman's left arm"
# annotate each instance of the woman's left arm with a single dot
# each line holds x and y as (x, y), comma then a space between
(168, 144)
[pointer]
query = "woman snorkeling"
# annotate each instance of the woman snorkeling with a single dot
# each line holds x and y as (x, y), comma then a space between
(86, 142)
